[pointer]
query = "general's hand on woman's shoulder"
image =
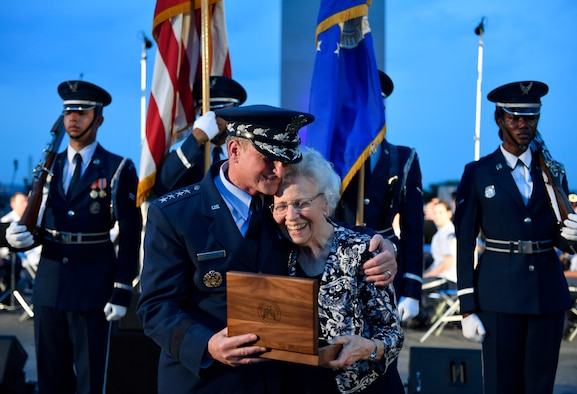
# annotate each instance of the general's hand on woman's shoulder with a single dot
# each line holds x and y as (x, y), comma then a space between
(382, 268)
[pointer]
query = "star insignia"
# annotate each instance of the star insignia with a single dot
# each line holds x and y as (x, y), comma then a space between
(338, 50)
(172, 196)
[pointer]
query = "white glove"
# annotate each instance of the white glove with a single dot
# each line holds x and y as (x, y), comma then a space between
(207, 123)
(408, 308)
(114, 312)
(569, 231)
(18, 236)
(473, 328)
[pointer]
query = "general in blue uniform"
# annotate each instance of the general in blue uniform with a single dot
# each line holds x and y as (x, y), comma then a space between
(195, 235)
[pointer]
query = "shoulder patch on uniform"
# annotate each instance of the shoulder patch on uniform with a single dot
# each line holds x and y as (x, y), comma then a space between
(179, 194)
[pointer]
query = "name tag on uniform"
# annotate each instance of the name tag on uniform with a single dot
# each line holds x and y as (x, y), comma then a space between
(217, 254)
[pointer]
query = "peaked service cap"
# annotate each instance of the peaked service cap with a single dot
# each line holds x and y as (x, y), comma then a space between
(519, 98)
(272, 131)
(82, 96)
(223, 92)
(387, 85)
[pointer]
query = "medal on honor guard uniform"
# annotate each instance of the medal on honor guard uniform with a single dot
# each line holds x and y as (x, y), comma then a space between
(212, 279)
(93, 191)
(102, 186)
(98, 187)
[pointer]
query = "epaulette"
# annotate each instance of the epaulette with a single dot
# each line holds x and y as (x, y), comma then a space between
(179, 194)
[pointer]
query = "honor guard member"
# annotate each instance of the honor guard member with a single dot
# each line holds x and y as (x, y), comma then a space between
(185, 165)
(82, 282)
(393, 187)
(514, 299)
(196, 234)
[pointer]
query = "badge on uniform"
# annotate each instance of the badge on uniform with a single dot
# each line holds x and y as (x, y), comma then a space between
(212, 279)
(490, 191)
(94, 207)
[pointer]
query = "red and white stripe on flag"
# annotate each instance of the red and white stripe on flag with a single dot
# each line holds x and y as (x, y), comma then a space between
(176, 30)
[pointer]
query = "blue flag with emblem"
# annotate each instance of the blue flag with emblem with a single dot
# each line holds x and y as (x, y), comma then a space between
(345, 95)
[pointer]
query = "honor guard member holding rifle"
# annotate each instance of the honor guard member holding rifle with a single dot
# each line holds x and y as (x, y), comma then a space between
(185, 165)
(196, 234)
(82, 283)
(514, 300)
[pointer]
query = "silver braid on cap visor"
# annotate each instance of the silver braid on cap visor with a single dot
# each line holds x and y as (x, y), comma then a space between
(295, 153)
(296, 124)
(257, 133)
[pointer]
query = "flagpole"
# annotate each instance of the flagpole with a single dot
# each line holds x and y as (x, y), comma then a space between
(361, 196)
(146, 44)
(479, 30)
(205, 61)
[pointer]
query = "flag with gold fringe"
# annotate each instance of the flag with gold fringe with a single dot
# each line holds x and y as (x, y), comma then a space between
(171, 110)
(346, 95)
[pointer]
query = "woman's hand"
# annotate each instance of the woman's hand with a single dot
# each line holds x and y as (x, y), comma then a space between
(354, 348)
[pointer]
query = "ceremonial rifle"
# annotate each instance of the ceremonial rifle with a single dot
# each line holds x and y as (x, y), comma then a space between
(41, 172)
(555, 174)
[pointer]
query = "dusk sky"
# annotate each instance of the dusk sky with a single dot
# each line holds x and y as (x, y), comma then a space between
(431, 53)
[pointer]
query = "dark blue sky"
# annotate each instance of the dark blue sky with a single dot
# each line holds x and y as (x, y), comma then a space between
(431, 54)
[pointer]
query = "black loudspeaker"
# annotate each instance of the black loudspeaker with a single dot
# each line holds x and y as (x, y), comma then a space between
(444, 370)
(133, 357)
(12, 360)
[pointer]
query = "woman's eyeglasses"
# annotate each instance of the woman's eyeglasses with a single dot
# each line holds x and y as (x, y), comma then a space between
(299, 205)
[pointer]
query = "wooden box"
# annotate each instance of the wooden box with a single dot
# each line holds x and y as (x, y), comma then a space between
(282, 311)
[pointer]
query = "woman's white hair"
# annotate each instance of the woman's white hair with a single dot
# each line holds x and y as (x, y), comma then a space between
(319, 170)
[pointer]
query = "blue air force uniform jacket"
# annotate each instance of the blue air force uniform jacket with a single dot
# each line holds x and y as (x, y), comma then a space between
(382, 203)
(180, 168)
(489, 201)
(191, 242)
(81, 277)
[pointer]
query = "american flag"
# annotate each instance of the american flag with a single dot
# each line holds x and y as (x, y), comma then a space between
(177, 31)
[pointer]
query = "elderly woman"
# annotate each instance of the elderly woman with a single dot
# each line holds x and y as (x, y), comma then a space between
(354, 313)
